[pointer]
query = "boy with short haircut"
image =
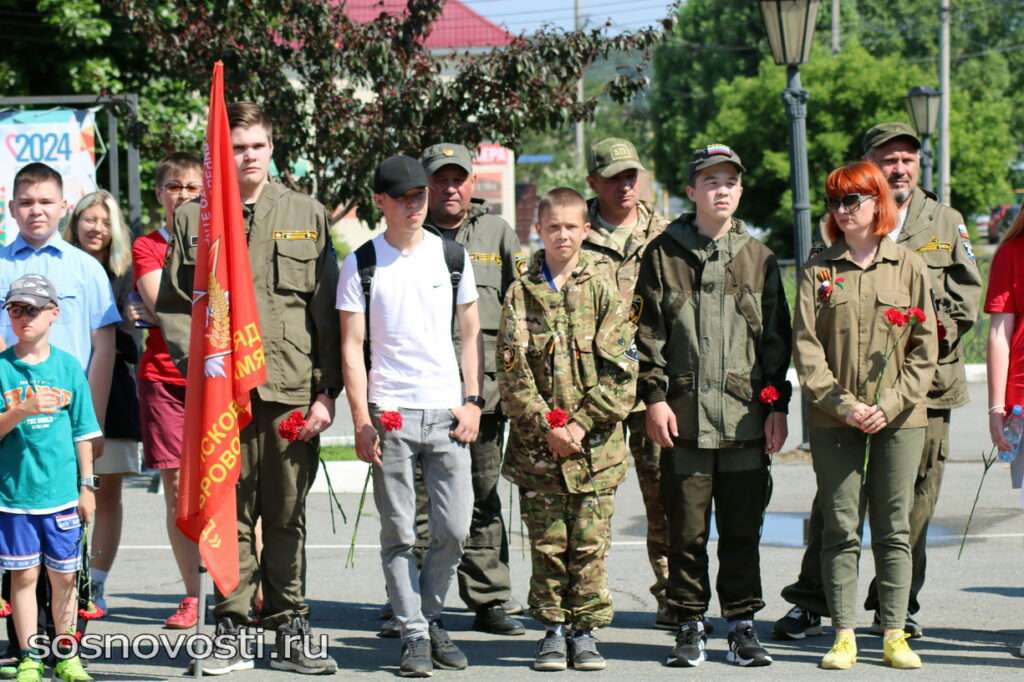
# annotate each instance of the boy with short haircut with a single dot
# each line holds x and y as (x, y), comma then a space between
(567, 376)
(46, 483)
(714, 340)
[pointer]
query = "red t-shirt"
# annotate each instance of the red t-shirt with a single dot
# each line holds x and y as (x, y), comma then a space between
(1006, 295)
(148, 255)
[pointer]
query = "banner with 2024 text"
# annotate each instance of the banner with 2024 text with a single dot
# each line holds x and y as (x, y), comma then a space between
(64, 139)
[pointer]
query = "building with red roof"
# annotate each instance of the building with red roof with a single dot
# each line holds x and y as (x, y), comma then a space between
(458, 28)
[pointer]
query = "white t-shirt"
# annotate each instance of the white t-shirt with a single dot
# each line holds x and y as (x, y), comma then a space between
(895, 234)
(412, 357)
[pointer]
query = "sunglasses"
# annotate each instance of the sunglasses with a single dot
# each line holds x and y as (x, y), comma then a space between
(847, 203)
(30, 311)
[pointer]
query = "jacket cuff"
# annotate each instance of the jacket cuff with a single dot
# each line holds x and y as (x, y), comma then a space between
(584, 420)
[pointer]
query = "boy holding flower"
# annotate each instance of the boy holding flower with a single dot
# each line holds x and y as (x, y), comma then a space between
(567, 377)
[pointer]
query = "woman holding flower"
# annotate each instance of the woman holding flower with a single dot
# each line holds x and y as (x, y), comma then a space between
(866, 347)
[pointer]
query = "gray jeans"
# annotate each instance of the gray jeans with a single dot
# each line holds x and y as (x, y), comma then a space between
(417, 595)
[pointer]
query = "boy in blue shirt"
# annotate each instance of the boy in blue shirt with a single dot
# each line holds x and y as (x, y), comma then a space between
(47, 423)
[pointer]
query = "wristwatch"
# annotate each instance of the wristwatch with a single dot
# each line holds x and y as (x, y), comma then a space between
(475, 399)
(90, 482)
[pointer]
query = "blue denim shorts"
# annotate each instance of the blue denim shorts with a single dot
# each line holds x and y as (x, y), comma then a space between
(54, 538)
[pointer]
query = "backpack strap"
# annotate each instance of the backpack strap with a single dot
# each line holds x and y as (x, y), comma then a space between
(366, 263)
(455, 259)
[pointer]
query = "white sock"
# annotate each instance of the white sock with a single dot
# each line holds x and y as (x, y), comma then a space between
(97, 576)
(557, 629)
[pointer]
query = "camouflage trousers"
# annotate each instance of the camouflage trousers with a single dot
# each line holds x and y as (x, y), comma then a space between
(570, 535)
(647, 459)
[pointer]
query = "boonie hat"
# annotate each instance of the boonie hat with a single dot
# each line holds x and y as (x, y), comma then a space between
(611, 156)
(437, 156)
(398, 174)
(712, 155)
(31, 290)
(885, 132)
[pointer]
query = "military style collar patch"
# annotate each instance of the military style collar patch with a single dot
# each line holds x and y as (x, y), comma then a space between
(289, 235)
(935, 245)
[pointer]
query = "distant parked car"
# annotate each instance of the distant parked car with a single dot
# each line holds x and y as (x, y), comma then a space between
(1001, 220)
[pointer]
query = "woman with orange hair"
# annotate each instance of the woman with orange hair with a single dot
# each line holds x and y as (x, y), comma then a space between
(865, 348)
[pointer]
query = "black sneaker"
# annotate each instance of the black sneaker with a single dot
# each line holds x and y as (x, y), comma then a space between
(583, 652)
(416, 659)
(689, 649)
(295, 650)
(443, 651)
(495, 620)
(550, 653)
(229, 642)
(910, 626)
(390, 629)
(745, 650)
(797, 624)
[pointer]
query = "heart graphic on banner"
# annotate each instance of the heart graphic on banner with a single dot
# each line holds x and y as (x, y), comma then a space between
(9, 141)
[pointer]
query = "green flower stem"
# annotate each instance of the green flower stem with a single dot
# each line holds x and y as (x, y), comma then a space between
(350, 560)
(986, 461)
(335, 502)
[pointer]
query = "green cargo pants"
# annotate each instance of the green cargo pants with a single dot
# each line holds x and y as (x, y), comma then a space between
(737, 481)
(885, 497)
(807, 592)
(483, 572)
(276, 477)
(647, 459)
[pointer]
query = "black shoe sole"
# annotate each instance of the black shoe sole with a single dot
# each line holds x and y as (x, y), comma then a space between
(506, 633)
(295, 668)
(438, 663)
(735, 659)
(686, 662)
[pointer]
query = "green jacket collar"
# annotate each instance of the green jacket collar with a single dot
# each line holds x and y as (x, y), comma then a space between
(601, 236)
(920, 213)
(684, 232)
(887, 250)
(535, 282)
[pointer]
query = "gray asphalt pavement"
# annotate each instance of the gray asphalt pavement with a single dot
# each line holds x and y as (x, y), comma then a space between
(972, 627)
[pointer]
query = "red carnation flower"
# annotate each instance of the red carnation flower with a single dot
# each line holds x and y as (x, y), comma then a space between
(391, 420)
(916, 316)
(557, 418)
(769, 394)
(290, 426)
(895, 317)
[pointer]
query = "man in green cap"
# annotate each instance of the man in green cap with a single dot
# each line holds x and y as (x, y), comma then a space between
(492, 245)
(939, 235)
(621, 228)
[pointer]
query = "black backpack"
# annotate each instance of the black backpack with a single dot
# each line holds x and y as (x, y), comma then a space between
(366, 262)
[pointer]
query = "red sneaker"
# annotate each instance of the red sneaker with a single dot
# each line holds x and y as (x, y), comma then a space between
(186, 616)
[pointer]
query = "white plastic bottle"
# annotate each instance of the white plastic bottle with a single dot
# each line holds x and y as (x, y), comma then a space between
(1013, 431)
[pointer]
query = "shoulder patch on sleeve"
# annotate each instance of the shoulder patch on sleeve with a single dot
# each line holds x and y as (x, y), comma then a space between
(508, 358)
(965, 237)
(636, 308)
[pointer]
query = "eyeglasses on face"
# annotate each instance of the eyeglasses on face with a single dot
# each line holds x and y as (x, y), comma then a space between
(178, 188)
(848, 203)
(18, 311)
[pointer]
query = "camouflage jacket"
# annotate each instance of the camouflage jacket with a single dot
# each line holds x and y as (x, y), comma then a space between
(569, 349)
(623, 258)
(714, 331)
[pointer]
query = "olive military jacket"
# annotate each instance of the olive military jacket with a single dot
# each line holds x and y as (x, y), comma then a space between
(624, 255)
(295, 277)
(841, 336)
(937, 233)
(714, 331)
(568, 349)
(492, 247)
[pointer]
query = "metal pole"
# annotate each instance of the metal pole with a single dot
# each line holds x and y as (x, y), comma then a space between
(835, 26)
(197, 664)
(581, 159)
(113, 163)
(926, 162)
(945, 144)
(795, 98)
(134, 195)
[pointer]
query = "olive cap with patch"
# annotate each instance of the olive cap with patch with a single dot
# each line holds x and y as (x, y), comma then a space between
(886, 132)
(611, 156)
(437, 156)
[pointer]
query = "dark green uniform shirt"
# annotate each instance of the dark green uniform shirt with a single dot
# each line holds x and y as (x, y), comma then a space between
(295, 277)
(714, 331)
(492, 247)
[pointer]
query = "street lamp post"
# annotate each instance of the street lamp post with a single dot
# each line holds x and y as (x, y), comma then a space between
(923, 106)
(790, 28)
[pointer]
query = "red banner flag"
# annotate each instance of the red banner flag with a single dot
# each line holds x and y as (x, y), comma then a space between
(226, 359)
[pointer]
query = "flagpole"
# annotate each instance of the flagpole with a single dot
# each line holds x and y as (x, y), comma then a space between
(197, 665)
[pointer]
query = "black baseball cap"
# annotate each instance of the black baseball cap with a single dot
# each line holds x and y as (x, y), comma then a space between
(398, 174)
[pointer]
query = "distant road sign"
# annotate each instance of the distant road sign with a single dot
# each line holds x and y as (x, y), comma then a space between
(535, 159)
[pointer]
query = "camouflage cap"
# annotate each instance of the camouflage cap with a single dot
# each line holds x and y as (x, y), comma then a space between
(611, 156)
(31, 290)
(885, 132)
(437, 156)
(712, 155)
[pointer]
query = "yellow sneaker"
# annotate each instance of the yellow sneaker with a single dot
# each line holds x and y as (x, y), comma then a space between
(843, 654)
(898, 654)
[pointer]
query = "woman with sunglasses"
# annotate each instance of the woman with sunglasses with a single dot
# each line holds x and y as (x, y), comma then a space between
(98, 228)
(865, 377)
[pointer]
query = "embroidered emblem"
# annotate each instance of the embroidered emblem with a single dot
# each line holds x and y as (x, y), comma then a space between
(290, 235)
(636, 308)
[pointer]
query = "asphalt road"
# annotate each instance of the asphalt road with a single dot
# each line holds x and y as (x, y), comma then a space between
(972, 627)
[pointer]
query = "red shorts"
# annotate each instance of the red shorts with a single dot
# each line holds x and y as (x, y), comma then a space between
(162, 418)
